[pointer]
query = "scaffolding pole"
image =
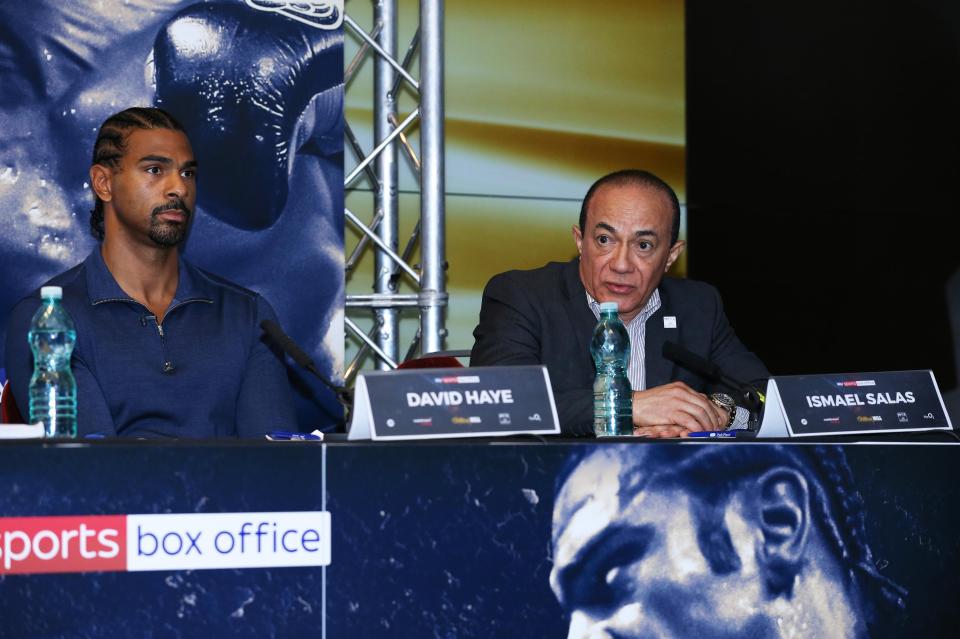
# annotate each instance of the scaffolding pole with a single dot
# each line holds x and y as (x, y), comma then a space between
(433, 292)
(384, 114)
(382, 230)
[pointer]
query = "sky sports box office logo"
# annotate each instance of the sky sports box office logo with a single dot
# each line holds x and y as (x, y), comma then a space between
(194, 541)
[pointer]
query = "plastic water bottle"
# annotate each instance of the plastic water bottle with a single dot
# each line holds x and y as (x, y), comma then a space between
(53, 390)
(612, 396)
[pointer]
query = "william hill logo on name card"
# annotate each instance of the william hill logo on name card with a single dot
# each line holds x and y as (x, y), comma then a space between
(853, 403)
(458, 402)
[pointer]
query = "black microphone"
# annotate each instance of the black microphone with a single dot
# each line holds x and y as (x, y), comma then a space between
(707, 369)
(286, 343)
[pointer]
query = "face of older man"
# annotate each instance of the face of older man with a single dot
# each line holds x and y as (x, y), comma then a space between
(627, 559)
(625, 245)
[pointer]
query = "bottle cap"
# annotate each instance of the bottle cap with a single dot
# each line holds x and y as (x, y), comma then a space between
(51, 292)
(606, 307)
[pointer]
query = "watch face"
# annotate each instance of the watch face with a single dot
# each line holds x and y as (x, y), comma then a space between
(725, 402)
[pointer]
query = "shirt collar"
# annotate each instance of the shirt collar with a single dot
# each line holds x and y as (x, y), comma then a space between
(652, 306)
(102, 286)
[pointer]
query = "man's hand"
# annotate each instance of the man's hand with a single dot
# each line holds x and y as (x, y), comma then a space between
(660, 432)
(674, 409)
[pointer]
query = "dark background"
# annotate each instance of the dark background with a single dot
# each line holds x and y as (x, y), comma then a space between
(823, 143)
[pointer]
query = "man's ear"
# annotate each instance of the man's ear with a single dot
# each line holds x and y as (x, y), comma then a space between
(783, 513)
(578, 238)
(101, 182)
(675, 251)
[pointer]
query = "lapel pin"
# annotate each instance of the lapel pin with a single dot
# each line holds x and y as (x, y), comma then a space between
(669, 321)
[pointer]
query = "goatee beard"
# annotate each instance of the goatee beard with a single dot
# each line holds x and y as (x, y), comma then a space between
(169, 234)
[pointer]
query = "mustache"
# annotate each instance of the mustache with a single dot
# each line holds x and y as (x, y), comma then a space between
(175, 205)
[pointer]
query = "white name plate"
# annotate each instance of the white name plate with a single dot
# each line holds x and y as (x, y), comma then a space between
(438, 403)
(853, 404)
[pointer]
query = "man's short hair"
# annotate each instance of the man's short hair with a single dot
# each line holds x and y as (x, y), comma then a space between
(636, 177)
(111, 145)
(711, 475)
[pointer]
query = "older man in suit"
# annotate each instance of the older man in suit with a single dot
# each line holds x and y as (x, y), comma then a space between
(627, 239)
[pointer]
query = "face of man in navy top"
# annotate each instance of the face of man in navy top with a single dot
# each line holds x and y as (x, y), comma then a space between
(153, 190)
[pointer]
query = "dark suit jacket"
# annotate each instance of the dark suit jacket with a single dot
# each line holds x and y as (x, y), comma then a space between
(542, 317)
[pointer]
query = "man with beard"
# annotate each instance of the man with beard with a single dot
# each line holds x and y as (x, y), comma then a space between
(163, 349)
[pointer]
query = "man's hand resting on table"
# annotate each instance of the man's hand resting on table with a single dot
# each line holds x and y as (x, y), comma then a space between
(673, 410)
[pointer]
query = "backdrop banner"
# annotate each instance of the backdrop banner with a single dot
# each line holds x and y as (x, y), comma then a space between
(258, 85)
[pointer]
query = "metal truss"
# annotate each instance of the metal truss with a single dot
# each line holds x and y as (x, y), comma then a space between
(379, 236)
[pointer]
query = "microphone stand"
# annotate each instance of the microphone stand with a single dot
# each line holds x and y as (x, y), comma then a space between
(276, 334)
(752, 398)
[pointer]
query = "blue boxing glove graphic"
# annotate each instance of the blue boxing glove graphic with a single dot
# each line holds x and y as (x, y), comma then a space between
(223, 69)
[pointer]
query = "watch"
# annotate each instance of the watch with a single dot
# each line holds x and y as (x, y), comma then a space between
(725, 402)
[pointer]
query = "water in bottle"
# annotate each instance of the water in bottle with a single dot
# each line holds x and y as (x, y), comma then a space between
(612, 397)
(53, 390)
